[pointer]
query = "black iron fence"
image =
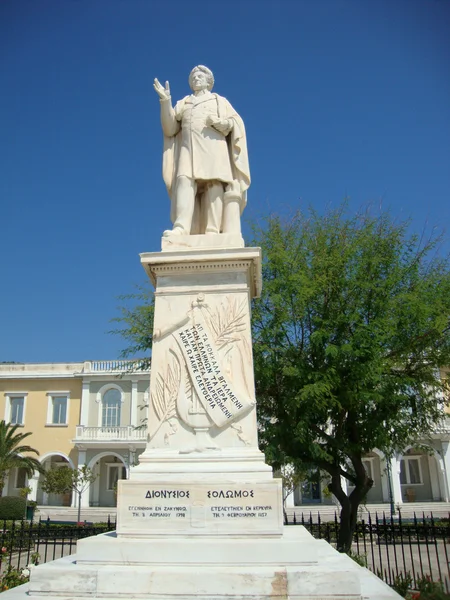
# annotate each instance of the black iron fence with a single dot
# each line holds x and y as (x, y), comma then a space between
(24, 542)
(393, 547)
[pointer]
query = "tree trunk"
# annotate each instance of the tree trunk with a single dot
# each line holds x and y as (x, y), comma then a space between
(349, 510)
(348, 520)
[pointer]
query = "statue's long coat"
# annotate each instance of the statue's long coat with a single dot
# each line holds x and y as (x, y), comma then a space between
(199, 151)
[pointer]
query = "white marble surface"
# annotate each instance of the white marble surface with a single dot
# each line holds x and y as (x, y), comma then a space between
(205, 160)
(215, 508)
(227, 465)
(189, 242)
(206, 404)
(294, 566)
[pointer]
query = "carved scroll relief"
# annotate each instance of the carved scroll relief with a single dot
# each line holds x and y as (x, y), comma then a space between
(164, 396)
(214, 391)
(203, 382)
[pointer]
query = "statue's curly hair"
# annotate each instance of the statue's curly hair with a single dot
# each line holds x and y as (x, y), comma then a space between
(208, 73)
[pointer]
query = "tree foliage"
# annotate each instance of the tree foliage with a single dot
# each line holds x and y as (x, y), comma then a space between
(62, 480)
(348, 339)
(292, 475)
(135, 325)
(14, 454)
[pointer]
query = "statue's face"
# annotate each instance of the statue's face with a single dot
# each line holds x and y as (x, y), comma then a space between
(199, 81)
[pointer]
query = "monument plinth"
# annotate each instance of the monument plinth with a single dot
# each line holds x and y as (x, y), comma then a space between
(201, 515)
(202, 473)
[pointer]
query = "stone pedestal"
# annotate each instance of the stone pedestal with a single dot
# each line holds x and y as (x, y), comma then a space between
(201, 515)
(294, 566)
(202, 473)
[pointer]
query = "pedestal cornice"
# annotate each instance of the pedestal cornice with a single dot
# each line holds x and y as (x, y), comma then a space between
(212, 260)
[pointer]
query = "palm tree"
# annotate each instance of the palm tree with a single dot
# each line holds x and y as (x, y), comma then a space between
(12, 450)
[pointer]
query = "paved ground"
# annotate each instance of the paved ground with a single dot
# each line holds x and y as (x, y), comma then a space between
(61, 513)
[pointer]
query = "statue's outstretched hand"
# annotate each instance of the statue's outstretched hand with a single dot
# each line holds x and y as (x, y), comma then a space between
(163, 92)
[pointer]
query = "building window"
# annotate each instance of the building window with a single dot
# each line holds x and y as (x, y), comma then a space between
(115, 472)
(17, 410)
(111, 403)
(410, 471)
(15, 407)
(58, 408)
(21, 478)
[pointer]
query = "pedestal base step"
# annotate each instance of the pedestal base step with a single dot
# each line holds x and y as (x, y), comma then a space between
(296, 566)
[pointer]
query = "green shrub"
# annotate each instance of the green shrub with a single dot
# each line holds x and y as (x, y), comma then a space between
(360, 559)
(13, 577)
(12, 507)
(430, 590)
(402, 583)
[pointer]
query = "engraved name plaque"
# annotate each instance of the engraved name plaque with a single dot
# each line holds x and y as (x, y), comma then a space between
(199, 509)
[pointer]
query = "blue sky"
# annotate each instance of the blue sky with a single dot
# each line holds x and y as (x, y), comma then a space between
(339, 97)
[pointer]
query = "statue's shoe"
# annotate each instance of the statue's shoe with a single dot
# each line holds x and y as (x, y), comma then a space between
(175, 231)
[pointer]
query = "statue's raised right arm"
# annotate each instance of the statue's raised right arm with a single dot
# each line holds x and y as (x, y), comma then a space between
(169, 123)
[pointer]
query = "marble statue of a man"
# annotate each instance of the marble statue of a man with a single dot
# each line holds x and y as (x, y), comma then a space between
(205, 161)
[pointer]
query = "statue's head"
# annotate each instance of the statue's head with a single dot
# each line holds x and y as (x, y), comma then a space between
(201, 78)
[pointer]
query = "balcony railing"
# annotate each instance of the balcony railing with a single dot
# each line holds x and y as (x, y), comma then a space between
(443, 427)
(107, 366)
(110, 434)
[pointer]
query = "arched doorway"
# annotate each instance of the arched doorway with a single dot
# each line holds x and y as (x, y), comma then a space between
(54, 460)
(415, 476)
(109, 467)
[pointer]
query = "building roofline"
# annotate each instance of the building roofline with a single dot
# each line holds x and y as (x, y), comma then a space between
(69, 369)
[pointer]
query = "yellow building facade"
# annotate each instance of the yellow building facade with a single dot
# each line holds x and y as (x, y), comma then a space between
(90, 413)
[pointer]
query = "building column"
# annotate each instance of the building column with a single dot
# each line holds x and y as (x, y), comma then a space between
(84, 410)
(146, 405)
(131, 459)
(6, 485)
(384, 478)
(96, 485)
(395, 481)
(134, 403)
(445, 470)
(436, 476)
(33, 483)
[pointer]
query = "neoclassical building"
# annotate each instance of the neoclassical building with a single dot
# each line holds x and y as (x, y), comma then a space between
(419, 474)
(91, 413)
(416, 475)
(94, 413)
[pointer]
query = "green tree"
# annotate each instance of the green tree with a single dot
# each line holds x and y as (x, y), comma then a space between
(135, 325)
(14, 454)
(61, 480)
(348, 339)
(292, 476)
